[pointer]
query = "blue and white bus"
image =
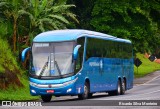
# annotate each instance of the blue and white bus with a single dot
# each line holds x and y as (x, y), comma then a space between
(79, 62)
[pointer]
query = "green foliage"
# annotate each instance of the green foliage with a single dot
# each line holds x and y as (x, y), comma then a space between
(125, 19)
(128, 19)
(20, 94)
(8, 61)
(83, 11)
(5, 29)
(48, 15)
(10, 10)
(30, 17)
(19, 18)
(146, 67)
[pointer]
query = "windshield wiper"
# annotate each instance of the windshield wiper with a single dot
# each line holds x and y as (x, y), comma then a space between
(44, 67)
(59, 71)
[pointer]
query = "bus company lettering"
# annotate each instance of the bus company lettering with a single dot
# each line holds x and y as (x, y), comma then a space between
(94, 64)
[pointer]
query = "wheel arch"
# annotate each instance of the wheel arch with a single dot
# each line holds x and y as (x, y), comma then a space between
(119, 79)
(88, 82)
(125, 80)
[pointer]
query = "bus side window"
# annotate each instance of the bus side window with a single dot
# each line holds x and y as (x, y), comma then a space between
(78, 63)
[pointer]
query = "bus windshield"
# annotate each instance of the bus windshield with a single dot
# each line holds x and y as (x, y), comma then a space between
(52, 59)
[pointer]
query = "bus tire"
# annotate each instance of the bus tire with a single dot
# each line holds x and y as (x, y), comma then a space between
(123, 87)
(117, 91)
(86, 92)
(46, 98)
(119, 88)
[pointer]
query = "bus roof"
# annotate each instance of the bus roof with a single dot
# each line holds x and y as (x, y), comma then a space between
(73, 34)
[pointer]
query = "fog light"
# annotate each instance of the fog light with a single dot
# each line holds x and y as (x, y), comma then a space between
(69, 90)
(33, 91)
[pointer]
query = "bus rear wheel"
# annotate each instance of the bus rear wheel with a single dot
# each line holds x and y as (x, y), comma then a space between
(86, 92)
(46, 98)
(123, 87)
(119, 88)
(117, 91)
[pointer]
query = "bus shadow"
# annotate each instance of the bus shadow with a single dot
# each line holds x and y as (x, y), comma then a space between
(75, 98)
(99, 95)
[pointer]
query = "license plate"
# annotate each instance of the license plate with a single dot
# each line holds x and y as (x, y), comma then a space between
(50, 91)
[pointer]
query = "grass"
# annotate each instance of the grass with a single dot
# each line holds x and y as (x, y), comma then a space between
(9, 65)
(7, 59)
(146, 67)
(18, 94)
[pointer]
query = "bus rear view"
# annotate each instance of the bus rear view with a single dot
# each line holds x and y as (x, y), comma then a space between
(60, 65)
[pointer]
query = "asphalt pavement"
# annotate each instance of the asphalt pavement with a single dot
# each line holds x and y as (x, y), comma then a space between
(145, 94)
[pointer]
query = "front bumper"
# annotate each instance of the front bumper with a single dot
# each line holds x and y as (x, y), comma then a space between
(60, 89)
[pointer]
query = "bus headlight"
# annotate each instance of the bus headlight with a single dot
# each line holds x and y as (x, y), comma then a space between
(70, 82)
(33, 84)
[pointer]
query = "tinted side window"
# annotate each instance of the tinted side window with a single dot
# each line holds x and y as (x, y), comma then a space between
(93, 48)
(108, 49)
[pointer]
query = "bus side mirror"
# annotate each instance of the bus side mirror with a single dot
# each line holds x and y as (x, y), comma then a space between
(24, 53)
(75, 52)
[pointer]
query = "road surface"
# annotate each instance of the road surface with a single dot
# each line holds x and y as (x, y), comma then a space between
(146, 90)
(145, 94)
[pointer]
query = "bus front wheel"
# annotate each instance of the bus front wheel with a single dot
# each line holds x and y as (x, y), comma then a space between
(85, 94)
(46, 98)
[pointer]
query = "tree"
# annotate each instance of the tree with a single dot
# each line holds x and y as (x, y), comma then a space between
(48, 15)
(126, 19)
(41, 15)
(11, 10)
(83, 11)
